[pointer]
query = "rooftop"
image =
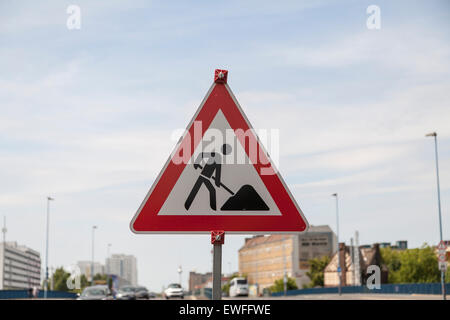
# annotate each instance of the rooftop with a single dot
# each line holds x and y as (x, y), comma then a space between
(261, 239)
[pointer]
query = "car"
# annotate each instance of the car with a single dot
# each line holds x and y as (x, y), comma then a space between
(142, 293)
(174, 290)
(238, 287)
(126, 293)
(98, 292)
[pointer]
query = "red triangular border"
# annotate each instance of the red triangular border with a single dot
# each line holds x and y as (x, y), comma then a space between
(147, 219)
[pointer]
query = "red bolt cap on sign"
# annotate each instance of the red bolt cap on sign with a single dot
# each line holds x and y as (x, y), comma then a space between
(220, 76)
(218, 237)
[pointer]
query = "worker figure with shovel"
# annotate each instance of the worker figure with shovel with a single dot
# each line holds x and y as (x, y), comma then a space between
(213, 165)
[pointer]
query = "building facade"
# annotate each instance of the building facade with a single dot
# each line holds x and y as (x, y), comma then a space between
(124, 266)
(198, 280)
(264, 259)
(20, 267)
(86, 268)
(350, 274)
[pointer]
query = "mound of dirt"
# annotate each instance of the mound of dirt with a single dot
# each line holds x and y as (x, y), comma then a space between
(246, 199)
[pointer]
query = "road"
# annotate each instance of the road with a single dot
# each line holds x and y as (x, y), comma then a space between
(364, 296)
(317, 297)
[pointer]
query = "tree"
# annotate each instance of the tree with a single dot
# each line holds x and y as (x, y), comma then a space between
(412, 265)
(83, 284)
(392, 260)
(60, 279)
(419, 265)
(447, 275)
(316, 271)
(278, 285)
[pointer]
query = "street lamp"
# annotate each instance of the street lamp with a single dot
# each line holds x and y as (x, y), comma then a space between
(434, 134)
(107, 257)
(107, 262)
(46, 247)
(92, 263)
(179, 273)
(4, 230)
(338, 248)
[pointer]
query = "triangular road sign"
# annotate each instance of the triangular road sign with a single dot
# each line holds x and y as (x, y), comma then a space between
(219, 177)
(442, 246)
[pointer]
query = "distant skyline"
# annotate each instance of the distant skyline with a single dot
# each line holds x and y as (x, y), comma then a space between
(87, 117)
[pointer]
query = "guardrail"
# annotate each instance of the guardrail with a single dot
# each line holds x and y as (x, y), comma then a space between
(24, 294)
(404, 288)
(203, 292)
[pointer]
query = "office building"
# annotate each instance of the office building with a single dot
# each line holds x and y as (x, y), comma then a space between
(265, 259)
(86, 268)
(198, 280)
(20, 267)
(124, 266)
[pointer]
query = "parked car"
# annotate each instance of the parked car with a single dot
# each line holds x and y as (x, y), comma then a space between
(126, 293)
(174, 290)
(142, 293)
(99, 292)
(238, 287)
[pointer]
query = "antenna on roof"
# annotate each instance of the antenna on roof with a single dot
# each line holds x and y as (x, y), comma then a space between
(356, 262)
(4, 230)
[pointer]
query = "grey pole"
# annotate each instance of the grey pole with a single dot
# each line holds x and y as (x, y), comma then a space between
(217, 272)
(107, 262)
(4, 229)
(180, 270)
(4, 250)
(46, 247)
(285, 280)
(434, 134)
(92, 263)
(107, 257)
(339, 271)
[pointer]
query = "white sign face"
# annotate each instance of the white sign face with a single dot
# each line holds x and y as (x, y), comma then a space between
(442, 265)
(240, 191)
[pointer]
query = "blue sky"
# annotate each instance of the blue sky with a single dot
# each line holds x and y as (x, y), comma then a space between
(87, 116)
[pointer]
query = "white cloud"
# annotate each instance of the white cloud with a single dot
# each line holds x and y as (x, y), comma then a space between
(407, 48)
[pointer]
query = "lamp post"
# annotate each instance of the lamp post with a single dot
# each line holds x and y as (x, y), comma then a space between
(46, 247)
(179, 273)
(338, 247)
(92, 263)
(107, 257)
(107, 262)
(434, 134)
(4, 230)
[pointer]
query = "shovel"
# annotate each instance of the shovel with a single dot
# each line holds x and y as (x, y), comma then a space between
(245, 199)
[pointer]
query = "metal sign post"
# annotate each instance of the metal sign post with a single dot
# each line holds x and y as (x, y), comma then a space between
(434, 134)
(442, 254)
(217, 240)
